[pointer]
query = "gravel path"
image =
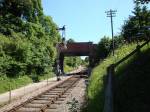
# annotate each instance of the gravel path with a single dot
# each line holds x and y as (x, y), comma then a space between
(78, 92)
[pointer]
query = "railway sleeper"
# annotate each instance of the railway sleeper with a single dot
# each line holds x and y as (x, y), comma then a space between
(49, 96)
(23, 109)
(43, 98)
(51, 93)
(39, 101)
(51, 110)
(63, 86)
(59, 89)
(58, 102)
(64, 96)
(61, 99)
(31, 105)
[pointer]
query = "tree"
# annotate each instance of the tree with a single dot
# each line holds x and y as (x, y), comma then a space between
(143, 1)
(70, 40)
(104, 47)
(28, 38)
(135, 27)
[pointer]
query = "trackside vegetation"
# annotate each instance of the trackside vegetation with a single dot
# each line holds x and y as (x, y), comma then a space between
(96, 86)
(28, 39)
(27, 46)
(131, 92)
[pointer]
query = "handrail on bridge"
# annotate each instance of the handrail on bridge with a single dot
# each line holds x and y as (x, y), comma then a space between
(108, 102)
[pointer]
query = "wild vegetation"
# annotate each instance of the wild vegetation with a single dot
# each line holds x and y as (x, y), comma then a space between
(96, 85)
(143, 1)
(28, 38)
(105, 46)
(132, 80)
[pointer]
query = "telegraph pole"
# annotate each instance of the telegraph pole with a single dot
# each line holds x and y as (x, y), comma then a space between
(112, 13)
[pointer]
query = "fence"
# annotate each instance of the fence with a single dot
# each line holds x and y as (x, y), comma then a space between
(13, 95)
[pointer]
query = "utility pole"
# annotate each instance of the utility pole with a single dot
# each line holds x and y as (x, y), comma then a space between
(112, 13)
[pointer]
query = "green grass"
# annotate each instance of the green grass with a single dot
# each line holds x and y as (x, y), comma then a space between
(6, 83)
(13, 83)
(95, 92)
(45, 76)
(132, 84)
(68, 68)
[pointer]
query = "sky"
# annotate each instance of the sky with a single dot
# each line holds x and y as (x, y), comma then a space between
(86, 20)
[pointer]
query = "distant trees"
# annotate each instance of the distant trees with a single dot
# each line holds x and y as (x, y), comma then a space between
(104, 47)
(136, 27)
(143, 1)
(70, 40)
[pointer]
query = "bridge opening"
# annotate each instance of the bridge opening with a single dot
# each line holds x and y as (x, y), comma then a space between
(74, 62)
(76, 49)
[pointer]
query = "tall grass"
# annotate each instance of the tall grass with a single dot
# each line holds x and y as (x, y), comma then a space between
(96, 86)
(13, 83)
(132, 80)
(68, 68)
(7, 83)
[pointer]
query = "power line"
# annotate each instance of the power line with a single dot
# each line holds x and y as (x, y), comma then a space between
(112, 13)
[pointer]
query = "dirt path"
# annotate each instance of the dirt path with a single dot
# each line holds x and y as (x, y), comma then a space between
(78, 93)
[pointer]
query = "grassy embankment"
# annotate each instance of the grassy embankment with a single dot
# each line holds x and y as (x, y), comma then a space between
(132, 84)
(68, 68)
(6, 83)
(96, 87)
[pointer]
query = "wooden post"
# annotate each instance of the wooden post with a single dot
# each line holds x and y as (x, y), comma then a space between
(9, 92)
(47, 79)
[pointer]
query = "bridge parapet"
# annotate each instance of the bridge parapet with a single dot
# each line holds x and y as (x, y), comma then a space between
(77, 49)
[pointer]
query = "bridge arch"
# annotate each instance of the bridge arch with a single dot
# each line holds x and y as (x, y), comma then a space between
(76, 49)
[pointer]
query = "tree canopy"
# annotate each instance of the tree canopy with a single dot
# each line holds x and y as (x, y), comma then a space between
(136, 27)
(143, 1)
(28, 38)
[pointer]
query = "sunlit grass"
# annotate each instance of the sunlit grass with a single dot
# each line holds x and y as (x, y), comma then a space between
(96, 86)
(7, 83)
(13, 83)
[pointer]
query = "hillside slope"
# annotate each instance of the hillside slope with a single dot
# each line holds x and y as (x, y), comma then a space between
(97, 79)
(133, 85)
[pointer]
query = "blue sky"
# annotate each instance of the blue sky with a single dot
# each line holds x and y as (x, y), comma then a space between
(86, 20)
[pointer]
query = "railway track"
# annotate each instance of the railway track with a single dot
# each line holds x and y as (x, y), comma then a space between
(49, 100)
